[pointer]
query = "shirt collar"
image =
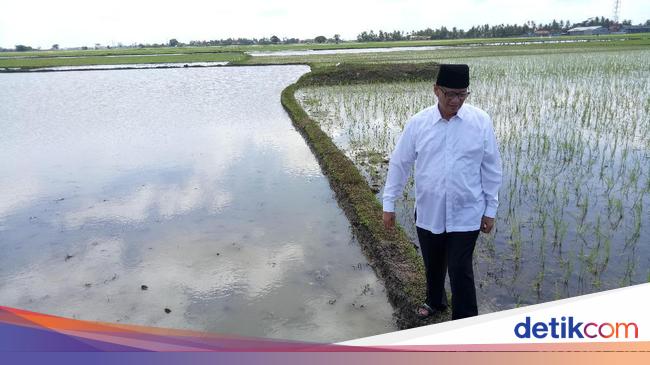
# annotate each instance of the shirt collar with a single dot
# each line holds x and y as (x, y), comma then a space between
(462, 113)
(436, 114)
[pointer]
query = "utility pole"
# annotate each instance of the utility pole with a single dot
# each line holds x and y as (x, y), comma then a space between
(617, 7)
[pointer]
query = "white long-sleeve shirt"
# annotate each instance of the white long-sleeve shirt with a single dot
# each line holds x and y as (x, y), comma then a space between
(457, 169)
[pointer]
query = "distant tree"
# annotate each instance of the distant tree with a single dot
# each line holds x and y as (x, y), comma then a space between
(55, 47)
(397, 35)
(363, 37)
(84, 48)
(320, 39)
(23, 48)
(555, 25)
(275, 39)
(647, 23)
(173, 42)
(337, 38)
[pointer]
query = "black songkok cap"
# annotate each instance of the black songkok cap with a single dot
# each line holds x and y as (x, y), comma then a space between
(453, 76)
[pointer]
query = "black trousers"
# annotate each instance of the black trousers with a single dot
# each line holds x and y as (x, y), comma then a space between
(451, 252)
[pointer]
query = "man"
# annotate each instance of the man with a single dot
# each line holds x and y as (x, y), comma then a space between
(457, 179)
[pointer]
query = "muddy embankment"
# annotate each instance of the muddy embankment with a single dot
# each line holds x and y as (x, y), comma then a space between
(392, 255)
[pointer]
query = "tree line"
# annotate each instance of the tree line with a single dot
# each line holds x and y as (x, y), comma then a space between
(336, 38)
(487, 31)
(261, 41)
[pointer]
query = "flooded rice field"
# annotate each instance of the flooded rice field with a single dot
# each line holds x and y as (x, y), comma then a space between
(574, 135)
(175, 198)
(315, 52)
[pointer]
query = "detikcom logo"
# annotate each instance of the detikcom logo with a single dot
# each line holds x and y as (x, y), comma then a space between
(568, 327)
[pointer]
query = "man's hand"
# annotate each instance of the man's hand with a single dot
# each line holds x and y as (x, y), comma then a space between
(486, 223)
(389, 220)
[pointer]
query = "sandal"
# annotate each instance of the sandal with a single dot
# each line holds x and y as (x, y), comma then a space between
(424, 311)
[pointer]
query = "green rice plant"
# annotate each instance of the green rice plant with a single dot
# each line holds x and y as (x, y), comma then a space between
(584, 208)
(637, 209)
(629, 272)
(557, 293)
(539, 278)
(567, 265)
(515, 243)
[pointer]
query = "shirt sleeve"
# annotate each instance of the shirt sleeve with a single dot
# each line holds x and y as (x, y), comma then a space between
(491, 173)
(399, 167)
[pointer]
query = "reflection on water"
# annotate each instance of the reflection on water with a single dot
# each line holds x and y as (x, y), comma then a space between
(191, 182)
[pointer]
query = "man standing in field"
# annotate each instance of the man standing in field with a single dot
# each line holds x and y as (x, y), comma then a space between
(457, 180)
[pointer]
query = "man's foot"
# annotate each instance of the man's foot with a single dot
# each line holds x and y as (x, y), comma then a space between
(425, 311)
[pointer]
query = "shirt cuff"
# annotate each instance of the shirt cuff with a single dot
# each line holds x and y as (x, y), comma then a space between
(490, 212)
(389, 206)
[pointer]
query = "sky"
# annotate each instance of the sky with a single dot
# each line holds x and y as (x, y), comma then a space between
(74, 23)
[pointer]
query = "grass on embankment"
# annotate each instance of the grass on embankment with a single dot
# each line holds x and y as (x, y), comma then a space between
(391, 253)
(354, 73)
(40, 62)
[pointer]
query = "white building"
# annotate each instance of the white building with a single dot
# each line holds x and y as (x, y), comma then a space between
(597, 29)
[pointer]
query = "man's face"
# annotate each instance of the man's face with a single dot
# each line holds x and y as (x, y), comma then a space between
(450, 100)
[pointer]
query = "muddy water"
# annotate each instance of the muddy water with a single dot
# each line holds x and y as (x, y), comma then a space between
(125, 195)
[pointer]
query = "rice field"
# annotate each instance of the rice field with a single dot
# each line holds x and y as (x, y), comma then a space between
(462, 51)
(574, 135)
(38, 62)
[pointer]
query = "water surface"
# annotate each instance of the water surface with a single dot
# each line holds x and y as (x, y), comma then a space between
(191, 182)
